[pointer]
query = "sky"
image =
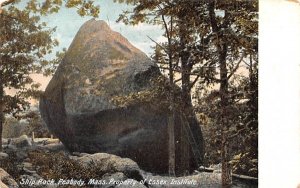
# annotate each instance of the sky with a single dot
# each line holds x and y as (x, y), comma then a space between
(68, 23)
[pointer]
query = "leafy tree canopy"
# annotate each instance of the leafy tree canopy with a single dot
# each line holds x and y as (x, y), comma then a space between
(25, 42)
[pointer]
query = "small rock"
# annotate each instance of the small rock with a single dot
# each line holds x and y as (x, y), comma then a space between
(3, 156)
(55, 147)
(21, 142)
(21, 154)
(27, 160)
(11, 147)
(28, 168)
(78, 154)
(27, 165)
(4, 141)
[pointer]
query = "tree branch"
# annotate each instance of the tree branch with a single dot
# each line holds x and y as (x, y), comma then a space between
(177, 80)
(165, 50)
(194, 82)
(5, 3)
(237, 133)
(236, 67)
(246, 63)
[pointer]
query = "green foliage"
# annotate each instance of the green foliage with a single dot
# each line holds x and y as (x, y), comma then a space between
(45, 7)
(244, 163)
(208, 41)
(24, 124)
(24, 44)
(36, 125)
(192, 32)
(13, 128)
(242, 134)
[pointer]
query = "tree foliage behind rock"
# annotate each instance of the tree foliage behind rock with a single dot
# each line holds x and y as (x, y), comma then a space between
(211, 41)
(13, 128)
(243, 119)
(25, 124)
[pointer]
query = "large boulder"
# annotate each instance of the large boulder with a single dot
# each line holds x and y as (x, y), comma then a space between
(99, 65)
(6, 181)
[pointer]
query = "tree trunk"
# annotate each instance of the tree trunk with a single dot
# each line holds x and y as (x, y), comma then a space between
(184, 162)
(186, 99)
(253, 105)
(1, 113)
(224, 95)
(171, 122)
(171, 118)
(226, 169)
(171, 147)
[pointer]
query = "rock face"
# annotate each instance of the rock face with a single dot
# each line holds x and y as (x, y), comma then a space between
(6, 181)
(77, 107)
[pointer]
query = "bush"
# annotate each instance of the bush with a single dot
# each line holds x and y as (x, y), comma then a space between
(37, 125)
(25, 124)
(13, 128)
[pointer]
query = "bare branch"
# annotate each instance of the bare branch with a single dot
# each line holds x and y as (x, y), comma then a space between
(179, 79)
(237, 133)
(236, 67)
(158, 44)
(167, 32)
(7, 2)
(194, 82)
(246, 63)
